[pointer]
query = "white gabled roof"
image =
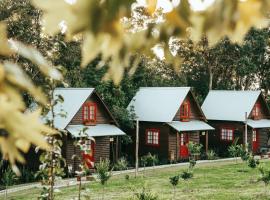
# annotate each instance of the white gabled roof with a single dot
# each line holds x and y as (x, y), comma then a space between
(158, 104)
(95, 131)
(73, 100)
(229, 105)
(193, 125)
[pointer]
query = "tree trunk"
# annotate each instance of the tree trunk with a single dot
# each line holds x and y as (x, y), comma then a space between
(210, 78)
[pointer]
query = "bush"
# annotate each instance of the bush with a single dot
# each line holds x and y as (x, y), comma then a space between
(27, 176)
(264, 175)
(174, 180)
(194, 149)
(9, 177)
(145, 195)
(103, 171)
(252, 163)
(186, 175)
(149, 160)
(121, 164)
(211, 155)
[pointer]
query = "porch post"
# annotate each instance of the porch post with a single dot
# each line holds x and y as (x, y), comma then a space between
(206, 141)
(137, 149)
(246, 142)
(177, 146)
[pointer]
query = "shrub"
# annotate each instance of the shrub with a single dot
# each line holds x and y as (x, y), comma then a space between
(194, 149)
(121, 164)
(9, 177)
(264, 175)
(145, 195)
(27, 176)
(185, 175)
(103, 173)
(211, 155)
(174, 181)
(149, 160)
(252, 163)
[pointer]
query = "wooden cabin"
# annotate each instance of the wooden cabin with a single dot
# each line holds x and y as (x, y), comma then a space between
(229, 112)
(84, 110)
(169, 118)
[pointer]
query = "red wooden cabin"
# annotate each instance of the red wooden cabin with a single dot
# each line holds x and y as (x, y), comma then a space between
(169, 118)
(85, 110)
(226, 110)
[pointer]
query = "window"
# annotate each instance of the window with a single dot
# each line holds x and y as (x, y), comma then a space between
(254, 136)
(256, 111)
(89, 112)
(226, 134)
(152, 137)
(185, 111)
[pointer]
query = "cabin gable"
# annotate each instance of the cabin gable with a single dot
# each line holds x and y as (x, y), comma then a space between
(260, 109)
(195, 112)
(102, 114)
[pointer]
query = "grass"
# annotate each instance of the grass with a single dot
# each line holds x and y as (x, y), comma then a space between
(221, 181)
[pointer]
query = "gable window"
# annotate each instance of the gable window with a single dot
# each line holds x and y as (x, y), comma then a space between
(89, 112)
(256, 111)
(152, 137)
(226, 134)
(185, 111)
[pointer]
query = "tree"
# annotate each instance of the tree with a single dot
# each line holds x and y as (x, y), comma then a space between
(103, 173)
(174, 180)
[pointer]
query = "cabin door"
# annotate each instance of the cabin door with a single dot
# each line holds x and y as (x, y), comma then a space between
(88, 153)
(183, 145)
(255, 140)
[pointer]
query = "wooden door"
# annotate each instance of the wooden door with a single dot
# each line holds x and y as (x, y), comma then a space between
(88, 154)
(255, 140)
(183, 145)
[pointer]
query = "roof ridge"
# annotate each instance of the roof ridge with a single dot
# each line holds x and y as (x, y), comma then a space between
(74, 88)
(235, 91)
(165, 87)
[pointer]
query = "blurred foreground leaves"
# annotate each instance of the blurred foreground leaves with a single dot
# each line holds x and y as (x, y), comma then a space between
(120, 29)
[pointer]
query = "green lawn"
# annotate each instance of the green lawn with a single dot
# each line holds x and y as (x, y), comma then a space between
(221, 181)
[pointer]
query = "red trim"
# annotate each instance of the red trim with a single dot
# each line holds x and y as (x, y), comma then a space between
(185, 111)
(146, 137)
(89, 105)
(228, 129)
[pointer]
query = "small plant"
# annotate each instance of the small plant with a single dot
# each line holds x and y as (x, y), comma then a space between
(264, 176)
(186, 175)
(27, 176)
(194, 151)
(145, 195)
(192, 163)
(211, 155)
(252, 162)
(121, 164)
(174, 181)
(149, 160)
(9, 178)
(103, 173)
(235, 149)
(127, 177)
